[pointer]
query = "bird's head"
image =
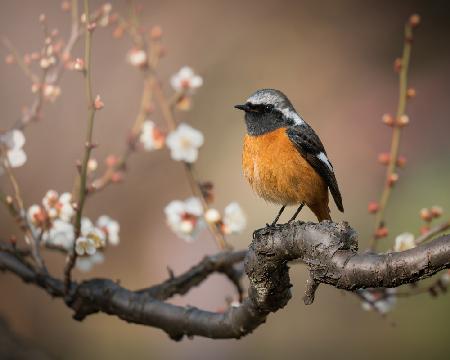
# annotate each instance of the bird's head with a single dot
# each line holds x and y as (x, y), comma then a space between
(267, 110)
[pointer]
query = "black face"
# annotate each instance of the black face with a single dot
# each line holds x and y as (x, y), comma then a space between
(262, 118)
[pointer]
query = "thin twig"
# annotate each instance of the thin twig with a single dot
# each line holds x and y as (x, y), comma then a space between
(22, 65)
(88, 146)
(53, 75)
(395, 142)
(433, 232)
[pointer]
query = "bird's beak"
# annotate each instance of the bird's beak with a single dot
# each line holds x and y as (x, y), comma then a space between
(242, 107)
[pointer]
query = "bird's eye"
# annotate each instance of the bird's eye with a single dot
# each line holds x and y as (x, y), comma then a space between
(269, 107)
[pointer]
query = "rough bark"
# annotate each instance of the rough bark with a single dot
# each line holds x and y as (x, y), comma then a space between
(328, 249)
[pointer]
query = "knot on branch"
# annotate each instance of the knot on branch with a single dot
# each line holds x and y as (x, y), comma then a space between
(273, 247)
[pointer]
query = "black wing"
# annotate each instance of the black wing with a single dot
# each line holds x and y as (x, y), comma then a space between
(311, 148)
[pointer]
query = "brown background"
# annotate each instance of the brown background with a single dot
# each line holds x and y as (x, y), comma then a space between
(334, 60)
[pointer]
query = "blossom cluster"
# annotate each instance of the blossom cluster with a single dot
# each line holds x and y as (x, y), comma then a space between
(53, 220)
(187, 218)
(184, 141)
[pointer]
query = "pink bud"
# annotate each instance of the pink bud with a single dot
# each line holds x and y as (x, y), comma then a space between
(411, 93)
(392, 179)
(401, 161)
(388, 119)
(384, 158)
(403, 120)
(155, 32)
(98, 103)
(397, 65)
(381, 232)
(414, 20)
(111, 160)
(425, 214)
(373, 207)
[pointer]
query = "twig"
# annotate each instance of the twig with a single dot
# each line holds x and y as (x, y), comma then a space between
(88, 146)
(432, 232)
(53, 75)
(20, 214)
(22, 65)
(395, 142)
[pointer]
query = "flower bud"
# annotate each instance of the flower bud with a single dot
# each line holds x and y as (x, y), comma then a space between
(425, 214)
(98, 103)
(381, 232)
(112, 160)
(424, 229)
(397, 64)
(212, 215)
(403, 120)
(401, 161)
(373, 207)
(392, 179)
(436, 211)
(411, 93)
(155, 32)
(384, 158)
(414, 20)
(388, 119)
(78, 64)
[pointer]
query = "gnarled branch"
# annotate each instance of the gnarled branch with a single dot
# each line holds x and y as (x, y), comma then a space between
(328, 249)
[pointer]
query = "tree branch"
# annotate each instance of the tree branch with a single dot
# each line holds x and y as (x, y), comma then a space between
(328, 249)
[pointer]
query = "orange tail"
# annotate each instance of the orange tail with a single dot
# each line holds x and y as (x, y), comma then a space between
(322, 211)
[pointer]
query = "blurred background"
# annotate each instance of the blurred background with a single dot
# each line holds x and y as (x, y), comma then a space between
(334, 59)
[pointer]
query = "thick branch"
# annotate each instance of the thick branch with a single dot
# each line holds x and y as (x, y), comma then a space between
(328, 249)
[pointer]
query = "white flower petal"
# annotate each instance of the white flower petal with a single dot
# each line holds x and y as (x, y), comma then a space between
(65, 198)
(84, 264)
(193, 206)
(14, 139)
(234, 218)
(16, 157)
(196, 82)
(404, 241)
(86, 226)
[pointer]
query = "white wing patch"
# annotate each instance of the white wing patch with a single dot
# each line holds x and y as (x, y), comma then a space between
(325, 160)
(292, 115)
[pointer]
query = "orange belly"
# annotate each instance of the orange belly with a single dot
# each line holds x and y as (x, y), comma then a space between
(278, 173)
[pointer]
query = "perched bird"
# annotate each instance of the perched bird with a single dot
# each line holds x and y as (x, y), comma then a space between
(283, 158)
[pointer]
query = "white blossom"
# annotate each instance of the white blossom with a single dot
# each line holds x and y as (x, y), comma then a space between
(234, 219)
(51, 92)
(36, 215)
(103, 21)
(151, 137)
(13, 141)
(212, 215)
(404, 241)
(86, 263)
(58, 206)
(186, 80)
(137, 57)
(184, 217)
(88, 230)
(61, 234)
(184, 143)
(85, 246)
(110, 227)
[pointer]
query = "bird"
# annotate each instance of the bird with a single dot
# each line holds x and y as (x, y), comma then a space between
(283, 158)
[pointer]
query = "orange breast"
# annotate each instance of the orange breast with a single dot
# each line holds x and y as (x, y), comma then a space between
(279, 173)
